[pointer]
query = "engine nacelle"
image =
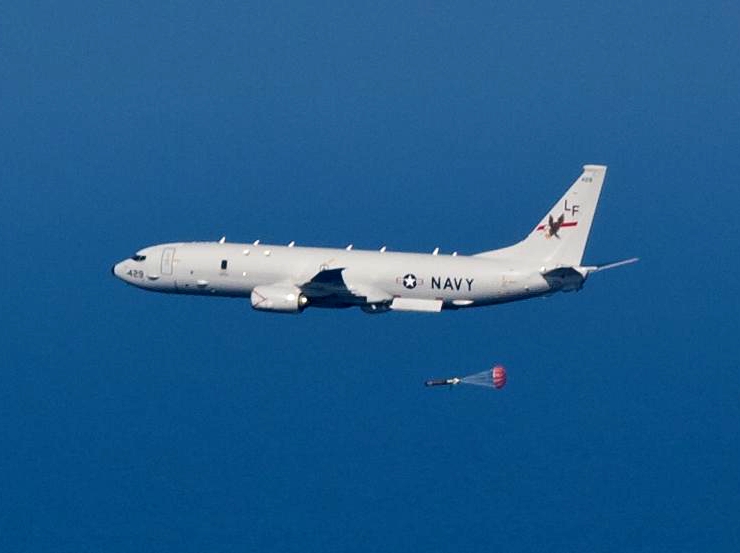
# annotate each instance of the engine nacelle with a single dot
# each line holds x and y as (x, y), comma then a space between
(279, 298)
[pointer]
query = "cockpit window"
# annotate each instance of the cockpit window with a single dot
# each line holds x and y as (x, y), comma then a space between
(138, 257)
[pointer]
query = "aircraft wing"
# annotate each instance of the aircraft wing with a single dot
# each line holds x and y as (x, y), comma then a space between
(328, 288)
(326, 283)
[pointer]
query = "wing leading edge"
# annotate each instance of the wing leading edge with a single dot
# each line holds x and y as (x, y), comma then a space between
(328, 288)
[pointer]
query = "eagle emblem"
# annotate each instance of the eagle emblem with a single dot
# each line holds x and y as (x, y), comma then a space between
(553, 226)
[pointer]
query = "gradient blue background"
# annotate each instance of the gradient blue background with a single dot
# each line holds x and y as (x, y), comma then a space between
(142, 422)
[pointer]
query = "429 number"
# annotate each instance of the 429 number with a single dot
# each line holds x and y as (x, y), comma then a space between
(135, 273)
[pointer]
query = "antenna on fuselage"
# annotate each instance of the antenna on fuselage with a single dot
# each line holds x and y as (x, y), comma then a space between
(291, 244)
(222, 240)
(436, 251)
(382, 250)
(348, 248)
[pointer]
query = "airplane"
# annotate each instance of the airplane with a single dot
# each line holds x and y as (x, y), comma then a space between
(288, 279)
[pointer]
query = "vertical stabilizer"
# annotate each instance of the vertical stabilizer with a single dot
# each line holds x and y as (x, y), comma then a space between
(560, 237)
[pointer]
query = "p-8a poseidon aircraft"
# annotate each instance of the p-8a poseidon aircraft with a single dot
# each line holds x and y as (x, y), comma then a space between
(288, 279)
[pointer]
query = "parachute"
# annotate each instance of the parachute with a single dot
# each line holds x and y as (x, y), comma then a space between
(494, 377)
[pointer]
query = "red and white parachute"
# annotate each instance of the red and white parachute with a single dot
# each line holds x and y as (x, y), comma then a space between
(498, 375)
(494, 377)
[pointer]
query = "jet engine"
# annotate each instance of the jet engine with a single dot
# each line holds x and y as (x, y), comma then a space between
(279, 298)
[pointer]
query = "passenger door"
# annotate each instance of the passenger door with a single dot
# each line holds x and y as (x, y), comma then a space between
(168, 255)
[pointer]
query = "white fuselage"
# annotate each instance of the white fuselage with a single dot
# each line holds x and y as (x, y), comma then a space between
(230, 269)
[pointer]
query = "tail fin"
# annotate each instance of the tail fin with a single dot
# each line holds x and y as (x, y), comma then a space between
(560, 237)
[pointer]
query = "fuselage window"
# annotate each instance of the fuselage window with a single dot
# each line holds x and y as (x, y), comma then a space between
(224, 263)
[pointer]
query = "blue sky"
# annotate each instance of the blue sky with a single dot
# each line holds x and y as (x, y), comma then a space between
(135, 421)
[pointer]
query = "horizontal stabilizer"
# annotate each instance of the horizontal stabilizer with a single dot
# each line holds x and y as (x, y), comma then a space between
(565, 272)
(568, 279)
(612, 265)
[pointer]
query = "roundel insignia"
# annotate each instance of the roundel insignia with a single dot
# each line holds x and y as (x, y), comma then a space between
(409, 281)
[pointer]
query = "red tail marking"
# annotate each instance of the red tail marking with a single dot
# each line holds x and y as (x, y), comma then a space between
(569, 224)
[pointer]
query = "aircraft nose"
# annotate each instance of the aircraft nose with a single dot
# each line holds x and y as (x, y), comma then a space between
(114, 270)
